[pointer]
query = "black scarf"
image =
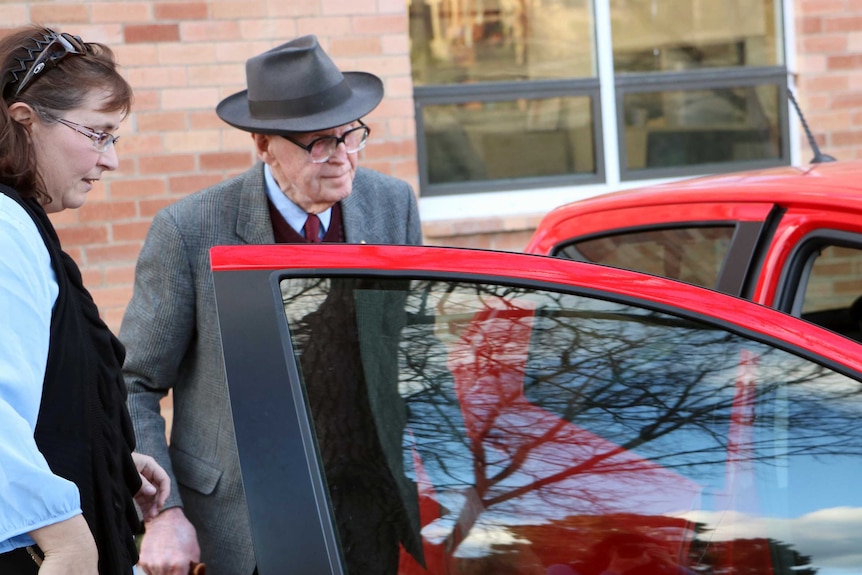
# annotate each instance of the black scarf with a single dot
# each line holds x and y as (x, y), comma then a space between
(83, 428)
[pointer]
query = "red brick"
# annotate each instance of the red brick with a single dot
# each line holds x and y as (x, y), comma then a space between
(111, 297)
(146, 100)
(224, 10)
(55, 12)
(152, 33)
(847, 101)
(842, 23)
(149, 143)
(113, 317)
(209, 31)
(844, 62)
(166, 164)
(149, 207)
(325, 26)
(332, 7)
(811, 25)
(161, 121)
(829, 43)
(130, 231)
(139, 188)
(122, 12)
(205, 120)
(378, 24)
(355, 46)
(846, 138)
(823, 6)
(226, 160)
(112, 253)
(108, 211)
(64, 218)
(189, 184)
(124, 275)
(83, 235)
(180, 11)
(92, 277)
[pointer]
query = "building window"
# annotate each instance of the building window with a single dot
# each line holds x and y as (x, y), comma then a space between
(508, 92)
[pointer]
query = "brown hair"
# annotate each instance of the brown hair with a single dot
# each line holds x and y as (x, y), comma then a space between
(62, 87)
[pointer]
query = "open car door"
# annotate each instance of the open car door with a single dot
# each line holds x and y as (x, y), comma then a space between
(419, 410)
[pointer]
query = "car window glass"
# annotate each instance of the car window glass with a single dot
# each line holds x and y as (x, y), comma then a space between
(691, 254)
(481, 429)
(833, 290)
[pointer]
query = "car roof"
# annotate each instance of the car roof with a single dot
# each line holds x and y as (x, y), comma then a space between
(833, 184)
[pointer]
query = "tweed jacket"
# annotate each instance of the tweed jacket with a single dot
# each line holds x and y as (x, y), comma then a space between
(171, 335)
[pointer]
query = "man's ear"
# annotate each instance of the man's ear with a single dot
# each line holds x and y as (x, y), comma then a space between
(23, 113)
(261, 146)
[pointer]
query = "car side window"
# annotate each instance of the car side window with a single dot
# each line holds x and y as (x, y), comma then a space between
(693, 254)
(832, 295)
(474, 428)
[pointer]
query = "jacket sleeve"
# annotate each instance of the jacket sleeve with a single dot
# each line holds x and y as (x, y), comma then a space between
(156, 330)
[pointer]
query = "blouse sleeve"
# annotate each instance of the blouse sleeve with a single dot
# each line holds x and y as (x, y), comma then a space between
(30, 495)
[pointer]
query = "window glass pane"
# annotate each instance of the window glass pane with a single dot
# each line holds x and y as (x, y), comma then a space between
(682, 128)
(508, 139)
(694, 255)
(465, 41)
(497, 429)
(662, 35)
(833, 291)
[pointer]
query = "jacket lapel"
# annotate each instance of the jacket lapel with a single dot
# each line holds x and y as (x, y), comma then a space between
(253, 225)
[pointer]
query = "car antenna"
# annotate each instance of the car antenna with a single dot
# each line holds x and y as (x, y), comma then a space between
(819, 157)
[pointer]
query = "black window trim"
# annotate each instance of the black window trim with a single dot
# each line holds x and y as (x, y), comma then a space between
(793, 280)
(710, 78)
(505, 91)
(743, 245)
(624, 83)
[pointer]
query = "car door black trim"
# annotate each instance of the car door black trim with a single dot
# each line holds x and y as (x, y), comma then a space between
(291, 523)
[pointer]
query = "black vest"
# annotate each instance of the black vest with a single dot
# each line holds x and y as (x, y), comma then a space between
(83, 428)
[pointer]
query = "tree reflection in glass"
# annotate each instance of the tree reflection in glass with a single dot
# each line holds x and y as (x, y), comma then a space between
(540, 427)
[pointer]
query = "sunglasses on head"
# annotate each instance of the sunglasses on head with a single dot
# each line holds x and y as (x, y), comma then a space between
(52, 49)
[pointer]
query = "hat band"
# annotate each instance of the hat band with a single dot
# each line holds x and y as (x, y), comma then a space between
(300, 107)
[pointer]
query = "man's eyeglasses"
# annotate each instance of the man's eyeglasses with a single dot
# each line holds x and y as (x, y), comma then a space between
(58, 47)
(101, 140)
(323, 148)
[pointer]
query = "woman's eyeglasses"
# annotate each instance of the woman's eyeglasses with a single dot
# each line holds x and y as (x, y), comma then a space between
(101, 140)
(58, 47)
(321, 149)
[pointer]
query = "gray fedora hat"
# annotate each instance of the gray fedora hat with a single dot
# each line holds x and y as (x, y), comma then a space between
(296, 87)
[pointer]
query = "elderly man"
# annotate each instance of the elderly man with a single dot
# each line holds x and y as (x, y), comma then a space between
(304, 116)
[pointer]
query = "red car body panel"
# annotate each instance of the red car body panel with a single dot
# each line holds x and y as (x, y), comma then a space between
(818, 197)
(502, 265)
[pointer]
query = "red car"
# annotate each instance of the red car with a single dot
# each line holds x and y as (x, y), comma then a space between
(437, 411)
(789, 238)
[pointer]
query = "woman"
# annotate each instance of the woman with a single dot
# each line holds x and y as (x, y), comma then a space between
(67, 472)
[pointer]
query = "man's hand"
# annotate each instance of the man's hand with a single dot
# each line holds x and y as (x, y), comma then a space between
(155, 486)
(69, 548)
(170, 544)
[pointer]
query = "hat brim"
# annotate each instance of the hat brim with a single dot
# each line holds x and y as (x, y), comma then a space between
(367, 92)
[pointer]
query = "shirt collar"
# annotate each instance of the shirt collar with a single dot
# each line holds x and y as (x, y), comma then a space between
(292, 214)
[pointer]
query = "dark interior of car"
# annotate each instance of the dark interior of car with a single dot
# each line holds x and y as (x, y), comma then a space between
(846, 321)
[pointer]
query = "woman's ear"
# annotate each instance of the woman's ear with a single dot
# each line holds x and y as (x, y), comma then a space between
(23, 113)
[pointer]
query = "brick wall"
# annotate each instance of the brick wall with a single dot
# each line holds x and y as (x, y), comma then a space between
(182, 58)
(829, 81)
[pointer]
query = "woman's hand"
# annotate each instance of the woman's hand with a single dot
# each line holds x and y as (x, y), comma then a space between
(155, 486)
